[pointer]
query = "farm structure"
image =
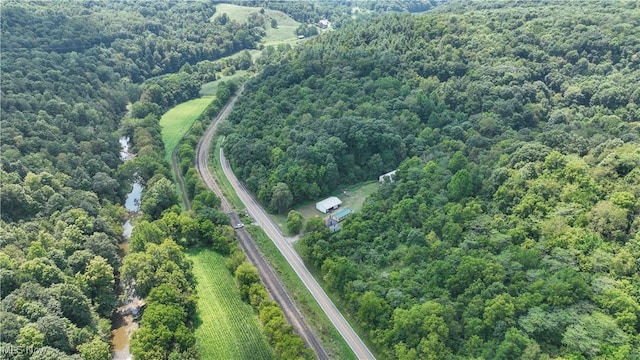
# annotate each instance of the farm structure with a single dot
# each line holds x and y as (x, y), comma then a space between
(342, 214)
(390, 176)
(328, 204)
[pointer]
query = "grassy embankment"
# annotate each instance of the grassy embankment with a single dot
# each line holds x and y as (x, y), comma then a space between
(331, 339)
(226, 327)
(225, 185)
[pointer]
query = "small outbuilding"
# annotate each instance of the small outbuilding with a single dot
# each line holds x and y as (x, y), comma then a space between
(390, 176)
(324, 24)
(328, 204)
(342, 214)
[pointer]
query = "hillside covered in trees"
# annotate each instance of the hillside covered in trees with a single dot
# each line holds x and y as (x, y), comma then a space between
(511, 228)
(68, 71)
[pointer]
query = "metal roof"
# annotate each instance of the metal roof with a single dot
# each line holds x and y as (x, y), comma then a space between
(328, 203)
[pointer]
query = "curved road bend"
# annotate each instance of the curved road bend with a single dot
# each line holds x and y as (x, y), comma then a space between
(256, 211)
(267, 274)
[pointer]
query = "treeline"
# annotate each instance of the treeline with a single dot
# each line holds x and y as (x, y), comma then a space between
(187, 146)
(162, 275)
(156, 265)
(511, 228)
(340, 12)
(142, 39)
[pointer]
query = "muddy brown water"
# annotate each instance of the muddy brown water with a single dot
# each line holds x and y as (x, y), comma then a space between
(124, 320)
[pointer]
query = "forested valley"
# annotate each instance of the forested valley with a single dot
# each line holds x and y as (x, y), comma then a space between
(69, 71)
(510, 230)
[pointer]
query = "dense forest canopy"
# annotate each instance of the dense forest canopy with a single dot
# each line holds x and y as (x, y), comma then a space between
(511, 229)
(340, 12)
(68, 71)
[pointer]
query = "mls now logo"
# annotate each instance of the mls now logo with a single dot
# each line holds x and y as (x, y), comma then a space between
(9, 351)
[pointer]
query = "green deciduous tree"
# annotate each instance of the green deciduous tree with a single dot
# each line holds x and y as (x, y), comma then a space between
(461, 185)
(95, 350)
(281, 198)
(246, 275)
(295, 222)
(160, 196)
(98, 282)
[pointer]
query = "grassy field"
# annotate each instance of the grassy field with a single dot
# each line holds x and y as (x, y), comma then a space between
(352, 197)
(284, 33)
(176, 122)
(331, 339)
(227, 328)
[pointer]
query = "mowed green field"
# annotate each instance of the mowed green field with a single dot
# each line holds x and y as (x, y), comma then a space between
(284, 33)
(227, 328)
(176, 122)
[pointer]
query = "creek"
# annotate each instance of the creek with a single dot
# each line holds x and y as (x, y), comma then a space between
(125, 318)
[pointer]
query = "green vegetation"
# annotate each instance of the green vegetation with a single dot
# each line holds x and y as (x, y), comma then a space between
(64, 95)
(283, 32)
(211, 88)
(286, 344)
(345, 12)
(333, 342)
(227, 328)
(352, 197)
(225, 185)
(176, 122)
(511, 229)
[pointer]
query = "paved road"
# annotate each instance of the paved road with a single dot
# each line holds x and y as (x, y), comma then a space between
(255, 210)
(267, 274)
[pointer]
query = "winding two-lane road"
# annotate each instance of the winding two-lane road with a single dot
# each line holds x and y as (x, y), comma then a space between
(267, 274)
(257, 212)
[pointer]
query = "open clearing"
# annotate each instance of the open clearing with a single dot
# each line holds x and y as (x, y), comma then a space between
(352, 197)
(226, 327)
(176, 122)
(284, 33)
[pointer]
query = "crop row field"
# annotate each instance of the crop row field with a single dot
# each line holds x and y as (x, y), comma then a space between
(226, 327)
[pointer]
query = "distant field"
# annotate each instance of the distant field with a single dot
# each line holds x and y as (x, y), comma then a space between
(227, 328)
(284, 33)
(352, 197)
(176, 122)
